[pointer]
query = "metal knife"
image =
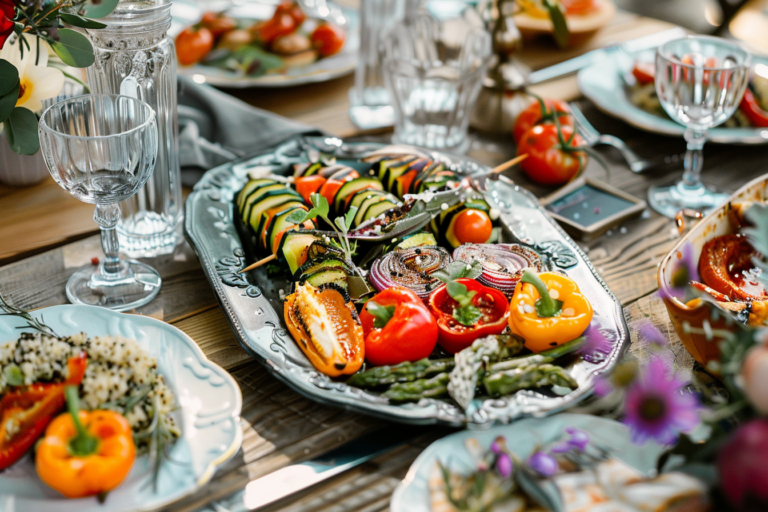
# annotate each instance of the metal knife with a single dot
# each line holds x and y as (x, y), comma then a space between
(634, 45)
(292, 479)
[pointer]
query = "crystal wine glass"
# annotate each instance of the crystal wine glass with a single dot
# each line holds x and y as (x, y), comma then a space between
(101, 149)
(700, 81)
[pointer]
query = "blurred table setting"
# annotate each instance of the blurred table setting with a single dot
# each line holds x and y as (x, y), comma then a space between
(137, 133)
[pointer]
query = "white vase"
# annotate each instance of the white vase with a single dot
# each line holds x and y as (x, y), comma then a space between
(20, 170)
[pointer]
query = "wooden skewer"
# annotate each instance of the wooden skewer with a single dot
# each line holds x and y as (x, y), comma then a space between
(259, 263)
(506, 165)
(497, 169)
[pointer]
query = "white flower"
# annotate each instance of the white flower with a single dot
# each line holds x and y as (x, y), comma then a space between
(37, 81)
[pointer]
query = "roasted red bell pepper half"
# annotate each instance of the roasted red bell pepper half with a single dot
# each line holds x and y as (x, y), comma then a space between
(466, 310)
(752, 109)
(398, 327)
(28, 410)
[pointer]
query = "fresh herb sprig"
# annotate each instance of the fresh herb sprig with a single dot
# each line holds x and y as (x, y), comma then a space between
(32, 322)
(341, 225)
(467, 313)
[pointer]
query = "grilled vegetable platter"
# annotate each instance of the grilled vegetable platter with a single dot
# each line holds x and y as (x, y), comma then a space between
(403, 283)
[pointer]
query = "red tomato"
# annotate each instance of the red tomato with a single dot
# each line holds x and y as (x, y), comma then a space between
(409, 335)
(218, 24)
(580, 7)
(328, 39)
(533, 115)
(293, 9)
(281, 24)
(192, 45)
(308, 185)
(472, 227)
(644, 72)
(548, 163)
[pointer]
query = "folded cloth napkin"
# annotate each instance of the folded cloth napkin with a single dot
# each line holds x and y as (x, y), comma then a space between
(215, 128)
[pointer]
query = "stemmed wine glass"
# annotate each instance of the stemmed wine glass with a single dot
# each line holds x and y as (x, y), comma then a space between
(700, 81)
(101, 149)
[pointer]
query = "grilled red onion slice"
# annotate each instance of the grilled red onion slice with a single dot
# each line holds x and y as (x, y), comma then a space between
(503, 264)
(410, 268)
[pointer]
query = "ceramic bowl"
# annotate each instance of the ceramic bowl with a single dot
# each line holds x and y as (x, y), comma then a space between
(715, 224)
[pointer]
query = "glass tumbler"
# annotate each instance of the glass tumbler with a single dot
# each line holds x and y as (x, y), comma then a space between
(700, 81)
(433, 84)
(102, 149)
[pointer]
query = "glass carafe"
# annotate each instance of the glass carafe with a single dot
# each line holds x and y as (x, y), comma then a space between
(135, 57)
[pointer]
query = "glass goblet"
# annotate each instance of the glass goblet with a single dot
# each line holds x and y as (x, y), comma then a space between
(101, 149)
(700, 81)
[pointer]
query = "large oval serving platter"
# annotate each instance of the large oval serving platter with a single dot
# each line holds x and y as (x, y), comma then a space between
(209, 414)
(603, 83)
(254, 307)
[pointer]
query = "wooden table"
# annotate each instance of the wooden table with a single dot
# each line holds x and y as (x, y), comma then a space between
(46, 234)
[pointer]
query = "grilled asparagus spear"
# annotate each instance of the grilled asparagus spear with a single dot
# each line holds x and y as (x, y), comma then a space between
(436, 387)
(381, 376)
(541, 358)
(472, 362)
(534, 376)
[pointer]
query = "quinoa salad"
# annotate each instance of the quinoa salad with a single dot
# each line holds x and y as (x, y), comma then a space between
(120, 376)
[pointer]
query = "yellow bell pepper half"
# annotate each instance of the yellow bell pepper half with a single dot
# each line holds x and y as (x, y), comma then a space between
(548, 310)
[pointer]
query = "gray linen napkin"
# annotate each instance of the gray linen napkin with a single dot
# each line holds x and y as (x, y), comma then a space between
(215, 128)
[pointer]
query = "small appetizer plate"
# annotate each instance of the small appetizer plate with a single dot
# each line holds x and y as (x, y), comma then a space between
(209, 415)
(522, 437)
(719, 222)
(603, 83)
(186, 12)
(254, 302)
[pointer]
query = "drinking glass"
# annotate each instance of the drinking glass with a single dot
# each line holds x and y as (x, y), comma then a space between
(434, 73)
(101, 149)
(700, 81)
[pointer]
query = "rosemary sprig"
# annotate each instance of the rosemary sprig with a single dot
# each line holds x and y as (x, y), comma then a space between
(32, 323)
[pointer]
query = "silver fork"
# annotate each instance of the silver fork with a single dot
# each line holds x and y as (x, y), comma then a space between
(593, 137)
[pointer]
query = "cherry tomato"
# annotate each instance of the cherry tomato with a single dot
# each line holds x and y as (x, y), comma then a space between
(293, 9)
(580, 7)
(218, 24)
(308, 185)
(472, 227)
(328, 39)
(533, 115)
(548, 163)
(281, 24)
(192, 45)
(644, 72)
(409, 334)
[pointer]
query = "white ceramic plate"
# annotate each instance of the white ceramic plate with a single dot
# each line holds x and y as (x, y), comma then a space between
(186, 12)
(603, 83)
(209, 415)
(412, 494)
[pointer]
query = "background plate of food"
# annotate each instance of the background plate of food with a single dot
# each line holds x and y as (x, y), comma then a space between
(590, 462)
(622, 86)
(283, 312)
(181, 409)
(584, 18)
(264, 44)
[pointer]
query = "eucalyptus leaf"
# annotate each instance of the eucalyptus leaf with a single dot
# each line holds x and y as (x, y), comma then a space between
(531, 486)
(8, 102)
(79, 21)
(559, 24)
(73, 48)
(9, 77)
(100, 9)
(21, 131)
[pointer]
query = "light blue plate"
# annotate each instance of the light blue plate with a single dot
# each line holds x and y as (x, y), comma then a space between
(412, 494)
(209, 415)
(603, 83)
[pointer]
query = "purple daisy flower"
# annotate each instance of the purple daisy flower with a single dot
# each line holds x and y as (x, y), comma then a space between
(578, 440)
(603, 387)
(685, 271)
(543, 463)
(655, 408)
(597, 345)
(504, 465)
(650, 333)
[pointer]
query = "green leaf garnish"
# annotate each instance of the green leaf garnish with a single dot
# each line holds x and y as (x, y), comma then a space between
(74, 48)
(13, 375)
(458, 269)
(382, 314)
(559, 24)
(467, 313)
(350, 217)
(319, 209)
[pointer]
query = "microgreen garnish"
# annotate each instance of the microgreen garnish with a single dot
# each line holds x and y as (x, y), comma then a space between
(458, 269)
(546, 306)
(341, 225)
(381, 314)
(33, 323)
(467, 313)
